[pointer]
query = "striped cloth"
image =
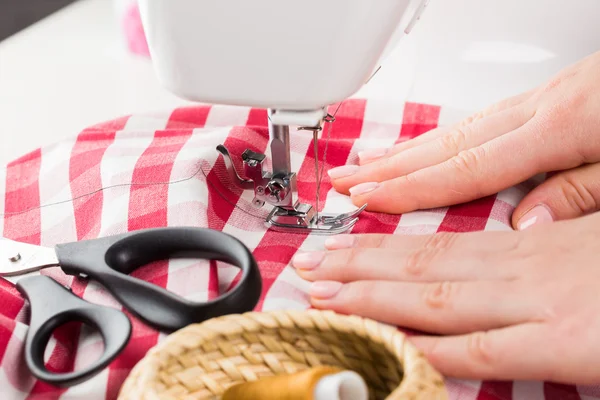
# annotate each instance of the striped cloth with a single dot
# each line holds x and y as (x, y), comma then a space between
(134, 158)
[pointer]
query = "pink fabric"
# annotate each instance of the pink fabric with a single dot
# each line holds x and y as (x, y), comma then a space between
(134, 31)
(171, 147)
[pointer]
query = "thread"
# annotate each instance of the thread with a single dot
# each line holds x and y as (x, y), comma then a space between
(319, 383)
(124, 185)
(162, 183)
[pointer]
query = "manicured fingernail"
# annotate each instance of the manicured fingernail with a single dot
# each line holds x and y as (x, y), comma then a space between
(537, 215)
(308, 260)
(363, 188)
(325, 289)
(371, 154)
(343, 171)
(339, 242)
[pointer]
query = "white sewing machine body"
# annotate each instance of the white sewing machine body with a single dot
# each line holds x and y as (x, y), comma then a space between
(283, 55)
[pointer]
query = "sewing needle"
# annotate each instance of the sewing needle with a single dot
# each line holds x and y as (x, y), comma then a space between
(318, 183)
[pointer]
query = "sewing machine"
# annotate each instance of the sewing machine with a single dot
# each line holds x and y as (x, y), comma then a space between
(293, 58)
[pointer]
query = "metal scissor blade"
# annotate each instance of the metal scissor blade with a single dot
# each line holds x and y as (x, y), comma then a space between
(18, 258)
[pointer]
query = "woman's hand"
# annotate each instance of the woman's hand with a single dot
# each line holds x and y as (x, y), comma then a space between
(555, 127)
(514, 305)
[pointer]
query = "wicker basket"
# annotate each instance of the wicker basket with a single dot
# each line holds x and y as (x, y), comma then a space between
(201, 361)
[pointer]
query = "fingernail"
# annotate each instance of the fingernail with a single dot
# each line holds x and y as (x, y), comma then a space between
(537, 215)
(363, 188)
(339, 242)
(308, 260)
(325, 289)
(371, 154)
(343, 171)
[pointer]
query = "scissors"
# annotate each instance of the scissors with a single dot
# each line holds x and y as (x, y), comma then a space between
(109, 261)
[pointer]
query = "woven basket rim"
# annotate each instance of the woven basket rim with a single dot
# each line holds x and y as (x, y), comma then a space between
(416, 369)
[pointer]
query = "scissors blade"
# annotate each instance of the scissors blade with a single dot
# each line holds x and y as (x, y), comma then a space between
(18, 258)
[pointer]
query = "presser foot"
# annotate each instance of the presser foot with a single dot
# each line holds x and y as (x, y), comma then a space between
(305, 219)
(278, 187)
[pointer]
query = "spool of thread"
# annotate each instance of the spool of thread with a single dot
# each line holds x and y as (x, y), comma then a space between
(319, 383)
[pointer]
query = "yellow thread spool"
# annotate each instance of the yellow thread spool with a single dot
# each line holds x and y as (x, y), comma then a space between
(302, 386)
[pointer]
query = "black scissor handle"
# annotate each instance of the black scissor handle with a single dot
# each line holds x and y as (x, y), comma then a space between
(52, 305)
(109, 260)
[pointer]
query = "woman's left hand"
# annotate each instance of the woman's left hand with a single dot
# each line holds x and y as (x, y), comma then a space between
(552, 128)
(513, 305)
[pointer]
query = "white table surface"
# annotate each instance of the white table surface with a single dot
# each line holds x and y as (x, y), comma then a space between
(69, 71)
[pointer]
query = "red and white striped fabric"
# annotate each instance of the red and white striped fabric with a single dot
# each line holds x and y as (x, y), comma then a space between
(35, 193)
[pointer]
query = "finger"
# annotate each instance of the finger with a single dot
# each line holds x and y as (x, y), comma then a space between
(567, 195)
(530, 352)
(521, 352)
(439, 258)
(379, 153)
(440, 307)
(371, 155)
(472, 174)
(435, 151)
(492, 241)
(417, 266)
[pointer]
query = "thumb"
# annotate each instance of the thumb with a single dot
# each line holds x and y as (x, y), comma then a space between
(566, 195)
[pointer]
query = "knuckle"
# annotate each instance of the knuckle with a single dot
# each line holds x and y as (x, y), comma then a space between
(472, 118)
(421, 259)
(468, 161)
(578, 196)
(372, 240)
(558, 80)
(455, 140)
(410, 201)
(351, 256)
(417, 262)
(387, 164)
(386, 241)
(553, 83)
(410, 179)
(546, 313)
(361, 294)
(339, 265)
(501, 105)
(363, 289)
(440, 295)
(479, 348)
(441, 240)
(522, 247)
